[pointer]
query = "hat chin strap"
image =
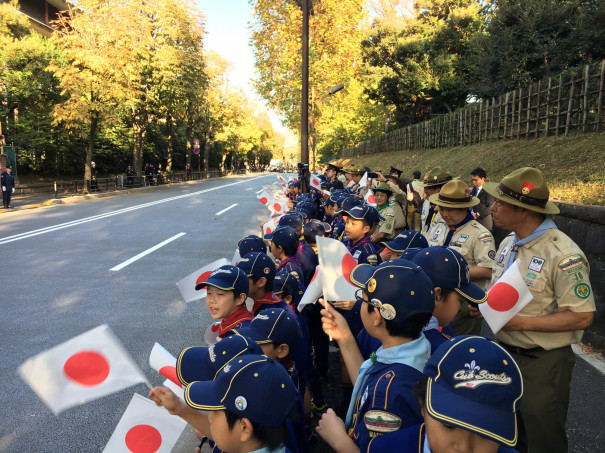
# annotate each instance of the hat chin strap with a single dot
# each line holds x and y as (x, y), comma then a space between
(504, 190)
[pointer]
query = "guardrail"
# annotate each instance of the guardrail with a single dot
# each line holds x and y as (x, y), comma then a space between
(120, 182)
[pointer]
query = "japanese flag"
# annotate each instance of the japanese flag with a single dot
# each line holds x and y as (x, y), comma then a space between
(369, 198)
(506, 298)
(270, 226)
(87, 367)
(336, 264)
(264, 197)
(364, 180)
(164, 363)
(236, 258)
(145, 427)
(278, 206)
(313, 291)
(187, 286)
(293, 178)
(281, 178)
(315, 182)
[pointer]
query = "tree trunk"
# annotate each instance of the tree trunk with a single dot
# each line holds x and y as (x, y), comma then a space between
(207, 145)
(139, 128)
(169, 138)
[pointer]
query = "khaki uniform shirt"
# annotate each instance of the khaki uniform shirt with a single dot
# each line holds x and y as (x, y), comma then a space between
(472, 240)
(387, 226)
(425, 212)
(556, 273)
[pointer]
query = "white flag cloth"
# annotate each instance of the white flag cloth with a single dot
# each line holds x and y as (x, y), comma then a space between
(313, 291)
(281, 178)
(164, 363)
(270, 225)
(264, 197)
(315, 182)
(506, 298)
(369, 198)
(187, 285)
(336, 264)
(364, 180)
(293, 178)
(87, 367)
(177, 390)
(278, 206)
(236, 258)
(145, 427)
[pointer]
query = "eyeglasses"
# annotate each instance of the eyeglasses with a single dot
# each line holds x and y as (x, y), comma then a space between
(373, 302)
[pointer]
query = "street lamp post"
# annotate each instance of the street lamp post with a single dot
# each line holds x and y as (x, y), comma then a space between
(304, 105)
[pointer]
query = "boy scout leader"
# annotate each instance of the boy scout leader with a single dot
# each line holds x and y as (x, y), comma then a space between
(539, 337)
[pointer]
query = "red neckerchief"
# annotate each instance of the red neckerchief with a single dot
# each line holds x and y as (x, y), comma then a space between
(267, 298)
(288, 260)
(353, 247)
(232, 321)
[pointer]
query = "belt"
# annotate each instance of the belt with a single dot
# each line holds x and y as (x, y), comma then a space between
(521, 351)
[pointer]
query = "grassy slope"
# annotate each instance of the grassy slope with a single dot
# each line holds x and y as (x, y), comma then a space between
(574, 166)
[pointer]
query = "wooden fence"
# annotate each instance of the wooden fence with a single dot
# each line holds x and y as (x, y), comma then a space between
(569, 103)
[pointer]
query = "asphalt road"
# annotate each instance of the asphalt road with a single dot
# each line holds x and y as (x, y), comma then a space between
(56, 283)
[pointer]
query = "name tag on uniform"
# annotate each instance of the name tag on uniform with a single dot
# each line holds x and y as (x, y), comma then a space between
(536, 264)
(357, 254)
(502, 256)
(462, 239)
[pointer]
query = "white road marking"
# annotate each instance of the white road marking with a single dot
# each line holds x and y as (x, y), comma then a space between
(226, 209)
(146, 252)
(594, 359)
(28, 234)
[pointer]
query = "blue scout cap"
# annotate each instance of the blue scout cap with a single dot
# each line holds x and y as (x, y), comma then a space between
(293, 220)
(293, 184)
(273, 325)
(448, 269)
(331, 200)
(203, 364)
(252, 386)
(285, 236)
(398, 288)
(367, 213)
(285, 282)
(405, 240)
(316, 228)
(251, 243)
(345, 203)
(476, 385)
(228, 278)
(410, 253)
(257, 264)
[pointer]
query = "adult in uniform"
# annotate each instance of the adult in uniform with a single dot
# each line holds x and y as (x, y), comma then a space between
(332, 175)
(8, 186)
(432, 183)
(385, 230)
(539, 337)
(459, 231)
(413, 215)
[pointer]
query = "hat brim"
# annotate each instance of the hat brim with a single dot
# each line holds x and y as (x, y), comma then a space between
(393, 246)
(360, 274)
(202, 395)
(396, 180)
(436, 183)
(453, 409)
(472, 293)
(252, 334)
(215, 284)
(193, 365)
(474, 201)
(492, 189)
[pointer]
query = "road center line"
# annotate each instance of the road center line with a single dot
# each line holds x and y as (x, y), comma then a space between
(28, 234)
(146, 252)
(226, 209)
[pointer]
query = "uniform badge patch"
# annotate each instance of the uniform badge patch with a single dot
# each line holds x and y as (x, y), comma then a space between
(241, 403)
(371, 285)
(491, 254)
(388, 312)
(463, 238)
(356, 254)
(373, 260)
(536, 264)
(364, 397)
(582, 290)
(570, 263)
(381, 421)
(211, 353)
(502, 256)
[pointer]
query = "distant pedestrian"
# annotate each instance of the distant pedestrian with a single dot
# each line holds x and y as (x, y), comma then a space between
(160, 174)
(148, 174)
(188, 170)
(8, 186)
(94, 185)
(129, 175)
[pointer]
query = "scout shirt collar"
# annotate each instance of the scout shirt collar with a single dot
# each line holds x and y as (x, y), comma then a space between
(414, 354)
(231, 321)
(386, 205)
(450, 233)
(547, 224)
(290, 259)
(352, 247)
(268, 298)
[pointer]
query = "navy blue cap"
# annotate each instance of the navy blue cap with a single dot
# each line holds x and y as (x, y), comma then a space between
(368, 213)
(252, 386)
(273, 325)
(257, 264)
(292, 219)
(332, 199)
(293, 184)
(285, 236)
(316, 228)
(228, 278)
(476, 385)
(400, 288)
(405, 240)
(251, 243)
(410, 253)
(346, 203)
(448, 269)
(285, 282)
(203, 364)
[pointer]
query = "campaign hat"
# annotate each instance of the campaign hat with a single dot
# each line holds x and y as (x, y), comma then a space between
(435, 177)
(454, 194)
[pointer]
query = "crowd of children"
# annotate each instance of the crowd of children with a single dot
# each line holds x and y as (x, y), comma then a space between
(409, 384)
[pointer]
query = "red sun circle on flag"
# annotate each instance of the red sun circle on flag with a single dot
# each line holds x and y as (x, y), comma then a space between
(143, 439)
(314, 275)
(315, 182)
(277, 207)
(502, 297)
(87, 368)
(263, 200)
(268, 231)
(201, 279)
(347, 265)
(169, 372)
(371, 199)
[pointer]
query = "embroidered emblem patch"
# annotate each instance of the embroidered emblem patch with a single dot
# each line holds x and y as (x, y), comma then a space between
(373, 260)
(388, 312)
(241, 403)
(364, 397)
(212, 353)
(436, 234)
(463, 238)
(491, 254)
(530, 275)
(371, 285)
(473, 376)
(381, 421)
(356, 254)
(570, 263)
(227, 368)
(582, 290)
(266, 270)
(502, 256)
(536, 264)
